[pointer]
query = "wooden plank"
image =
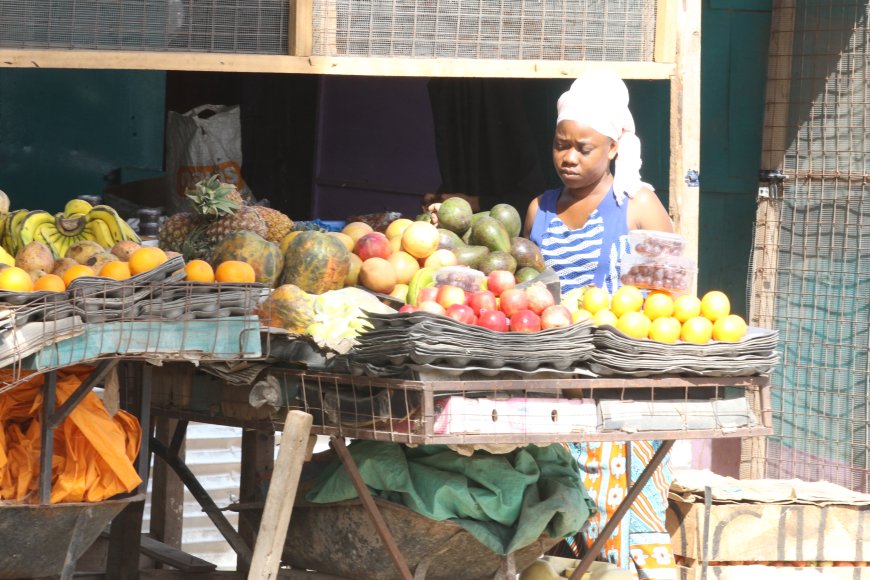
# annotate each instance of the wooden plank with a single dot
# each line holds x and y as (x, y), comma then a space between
(666, 31)
(280, 498)
(125, 537)
(174, 557)
(765, 245)
(684, 198)
(301, 33)
(221, 62)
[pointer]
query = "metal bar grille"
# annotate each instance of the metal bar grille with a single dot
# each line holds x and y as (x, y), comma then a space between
(595, 30)
(817, 292)
(232, 26)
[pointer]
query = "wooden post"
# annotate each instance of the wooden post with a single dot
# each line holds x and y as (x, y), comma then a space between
(300, 35)
(765, 245)
(279, 500)
(685, 131)
(666, 31)
(167, 493)
(258, 461)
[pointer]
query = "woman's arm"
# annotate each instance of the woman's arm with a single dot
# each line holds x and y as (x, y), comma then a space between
(530, 217)
(646, 212)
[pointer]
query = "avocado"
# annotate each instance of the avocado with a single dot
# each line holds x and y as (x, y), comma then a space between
(509, 217)
(479, 215)
(527, 254)
(449, 240)
(497, 261)
(490, 232)
(525, 274)
(470, 255)
(455, 215)
(426, 216)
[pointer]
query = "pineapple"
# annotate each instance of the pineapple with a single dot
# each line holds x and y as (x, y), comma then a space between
(244, 218)
(278, 225)
(175, 229)
(213, 199)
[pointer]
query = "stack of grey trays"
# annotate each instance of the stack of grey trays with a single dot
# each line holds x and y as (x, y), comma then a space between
(618, 354)
(30, 321)
(160, 294)
(434, 341)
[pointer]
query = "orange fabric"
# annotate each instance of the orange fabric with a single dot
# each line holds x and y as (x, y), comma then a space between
(93, 451)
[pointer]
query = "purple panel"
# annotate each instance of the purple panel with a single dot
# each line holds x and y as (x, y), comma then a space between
(375, 147)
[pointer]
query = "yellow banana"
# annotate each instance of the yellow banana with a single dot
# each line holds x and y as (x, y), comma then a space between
(76, 208)
(129, 233)
(98, 231)
(111, 219)
(31, 223)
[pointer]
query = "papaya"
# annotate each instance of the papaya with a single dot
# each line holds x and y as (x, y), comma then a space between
(245, 246)
(316, 262)
(288, 307)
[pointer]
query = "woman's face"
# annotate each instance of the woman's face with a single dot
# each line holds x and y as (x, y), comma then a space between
(581, 154)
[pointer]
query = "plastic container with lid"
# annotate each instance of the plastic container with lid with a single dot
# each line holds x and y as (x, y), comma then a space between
(653, 244)
(673, 274)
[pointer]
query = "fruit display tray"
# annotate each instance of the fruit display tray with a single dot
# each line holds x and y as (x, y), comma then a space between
(618, 354)
(429, 339)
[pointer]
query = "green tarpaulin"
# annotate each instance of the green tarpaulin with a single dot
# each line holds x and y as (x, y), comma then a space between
(506, 501)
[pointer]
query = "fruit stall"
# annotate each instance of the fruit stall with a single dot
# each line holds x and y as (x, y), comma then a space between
(392, 332)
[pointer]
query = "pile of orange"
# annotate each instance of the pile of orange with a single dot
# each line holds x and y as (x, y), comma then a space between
(662, 317)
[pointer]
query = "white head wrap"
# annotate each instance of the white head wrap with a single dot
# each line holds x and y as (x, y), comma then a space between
(599, 99)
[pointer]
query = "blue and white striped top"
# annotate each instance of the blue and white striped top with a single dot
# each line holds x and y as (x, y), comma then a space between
(576, 255)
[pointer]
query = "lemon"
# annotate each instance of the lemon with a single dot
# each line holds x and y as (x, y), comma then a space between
(634, 324)
(604, 318)
(626, 299)
(665, 329)
(595, 299)
(686, 307)
(715, 305)
(729, 328)
(658, 305)
(697, 330)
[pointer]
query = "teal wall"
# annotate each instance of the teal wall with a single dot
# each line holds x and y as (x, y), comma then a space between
(63, 131)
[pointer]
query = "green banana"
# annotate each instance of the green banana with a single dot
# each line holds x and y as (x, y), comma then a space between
(422, 278)
(31, 224)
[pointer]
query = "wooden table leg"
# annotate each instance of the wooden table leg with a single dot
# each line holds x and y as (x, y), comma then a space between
(337, 443)
(258, 462)
(623, 508)
(122, 562)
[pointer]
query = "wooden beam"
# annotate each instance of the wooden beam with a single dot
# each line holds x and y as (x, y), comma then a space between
(413, 67)
(279, 501)
(765, 245)
(684, 198)
(174, 557)
(258, 461)
(167, 493)
(301, 29)
(666, 31)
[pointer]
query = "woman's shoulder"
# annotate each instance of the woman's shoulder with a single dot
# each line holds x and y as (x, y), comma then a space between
(646, 212)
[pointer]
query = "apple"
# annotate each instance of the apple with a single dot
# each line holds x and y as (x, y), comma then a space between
(500, 280)
(493, 320)
(525, 321)
(427, 293)
(482, 300)
(373, 245)
(539, 298)
(449, 295)
(409, 308)
(512, 301)
(462, 313)
(556, 316)
(431, 306)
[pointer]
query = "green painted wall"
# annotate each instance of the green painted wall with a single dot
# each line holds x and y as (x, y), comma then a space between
(63, 131)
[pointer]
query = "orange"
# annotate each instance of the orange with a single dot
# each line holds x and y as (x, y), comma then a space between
(697, 330)
(235, 271)
(626, 299)
(356, 230)
(634, 324)
(715, 305)
(595, 299)
(405, 266)
(658, 305)
(686, 307)
(199, 271)
(729, 328)
(146, 258)
(77, 271)
(50, 283)
(420, 239)
(117, 270)
(397, 227)
(604, 318)
(665, 329)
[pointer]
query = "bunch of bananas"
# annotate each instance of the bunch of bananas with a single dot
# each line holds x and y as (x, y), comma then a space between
(78, 221)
